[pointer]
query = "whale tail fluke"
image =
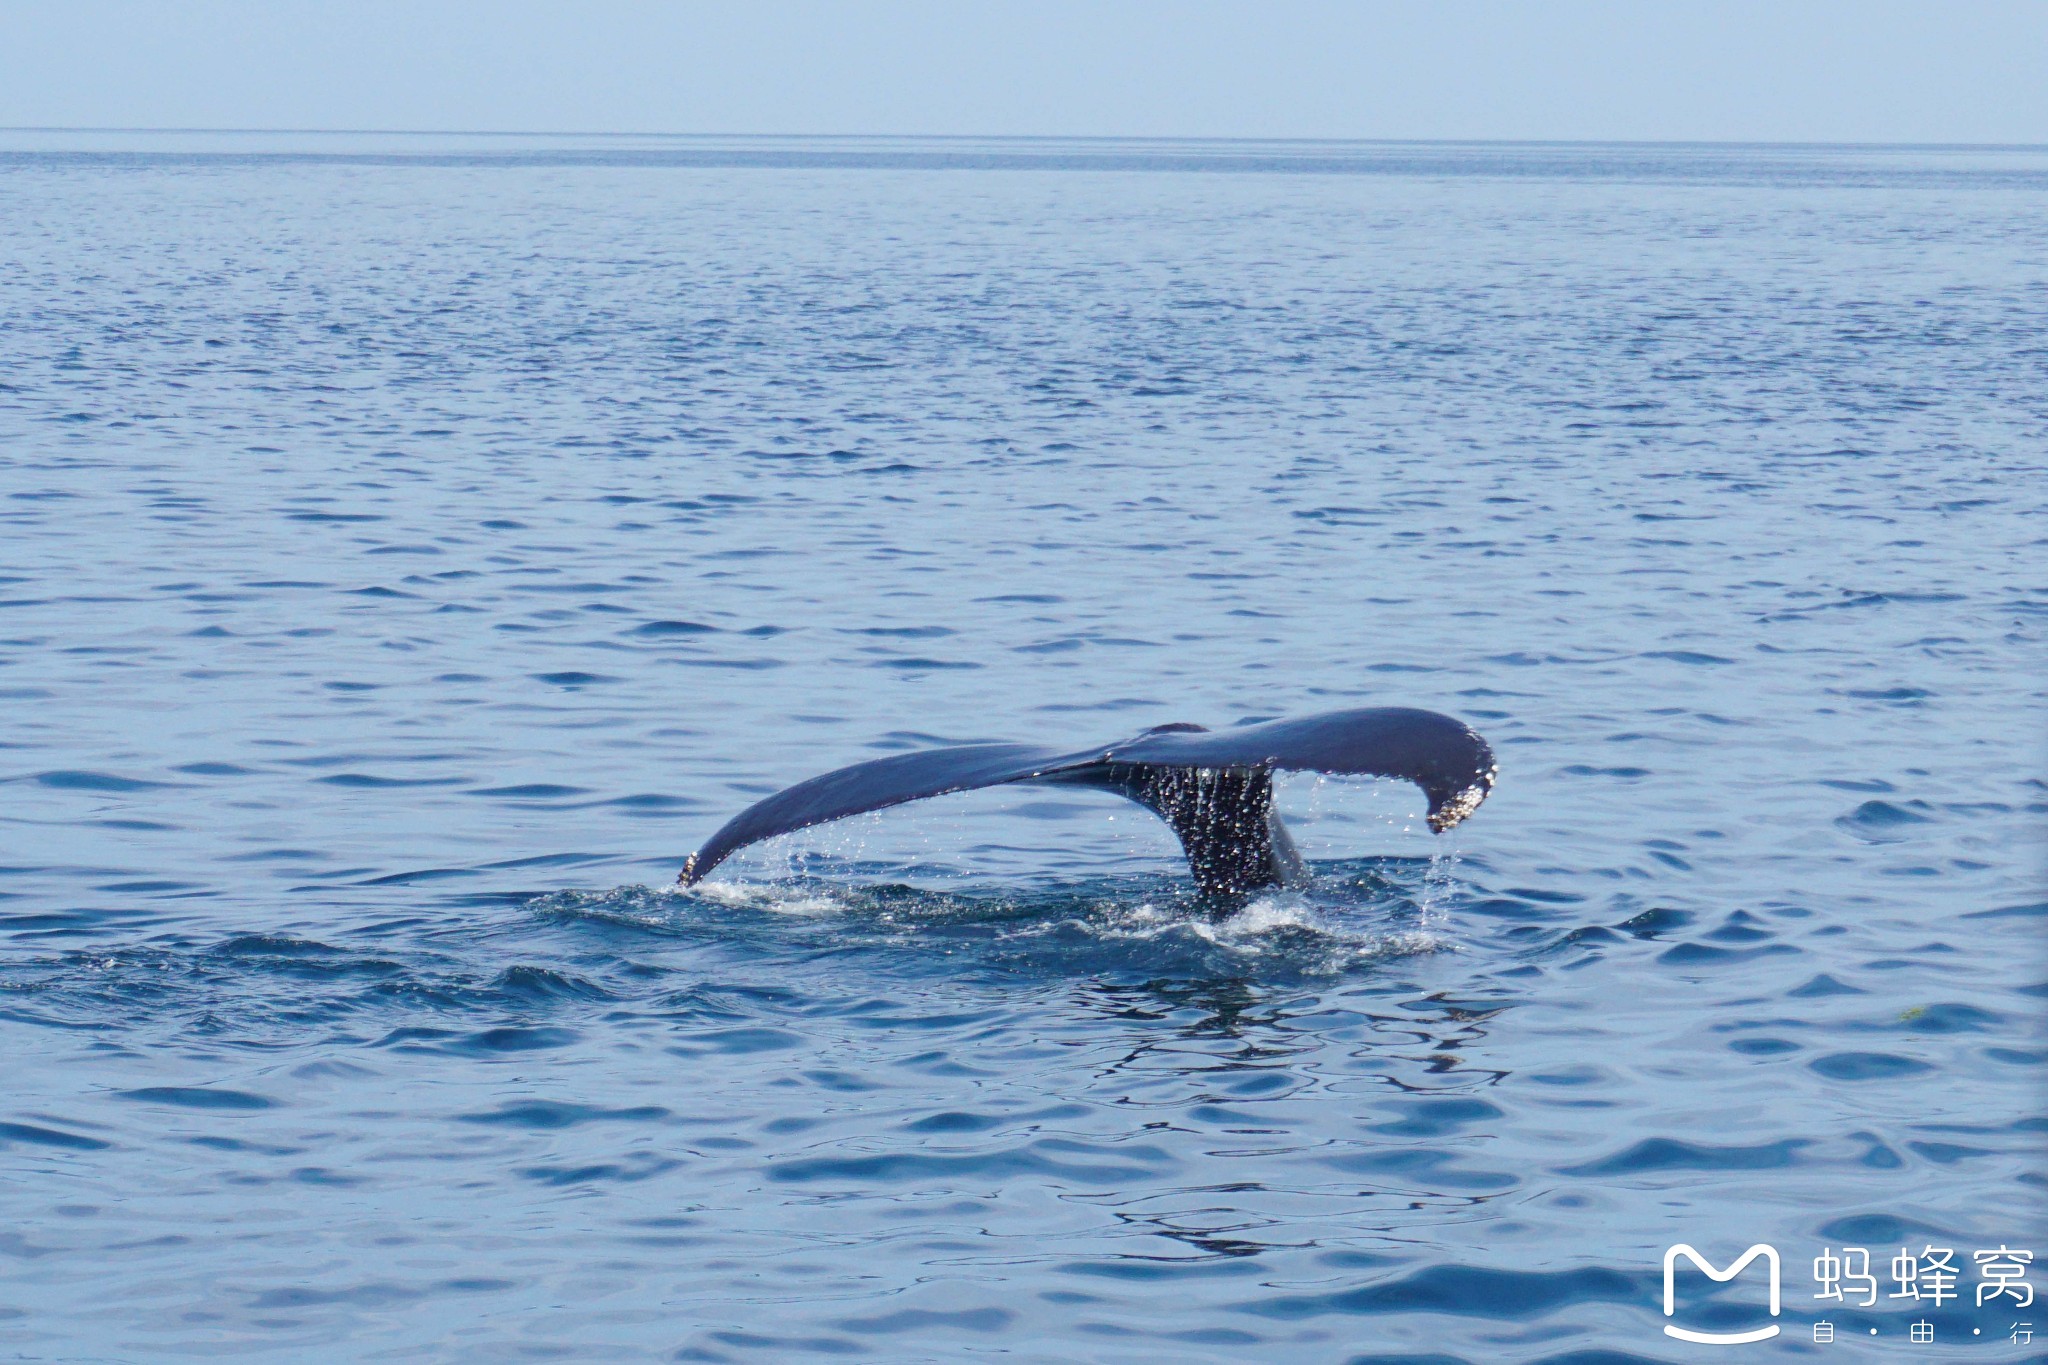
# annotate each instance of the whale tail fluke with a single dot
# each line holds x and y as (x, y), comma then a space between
(1213, 788)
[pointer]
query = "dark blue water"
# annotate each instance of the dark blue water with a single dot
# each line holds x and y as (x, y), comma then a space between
(409, 554)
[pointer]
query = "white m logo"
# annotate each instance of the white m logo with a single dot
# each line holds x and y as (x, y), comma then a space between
(1769, 1254)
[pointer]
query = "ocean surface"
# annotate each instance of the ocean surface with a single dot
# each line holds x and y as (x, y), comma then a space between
(411, 549)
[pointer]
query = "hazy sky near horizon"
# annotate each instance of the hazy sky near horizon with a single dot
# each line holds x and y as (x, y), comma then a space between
(1735, 70)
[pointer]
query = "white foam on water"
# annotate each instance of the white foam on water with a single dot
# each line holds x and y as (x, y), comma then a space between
(1272, 911)
(771, 897)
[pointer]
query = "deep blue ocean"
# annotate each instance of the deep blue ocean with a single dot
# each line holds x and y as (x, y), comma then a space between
(411, 549)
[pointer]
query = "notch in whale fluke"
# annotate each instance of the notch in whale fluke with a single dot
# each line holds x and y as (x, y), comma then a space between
(1214, 788)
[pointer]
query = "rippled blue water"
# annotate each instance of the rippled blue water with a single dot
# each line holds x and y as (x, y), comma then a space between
(408, 555)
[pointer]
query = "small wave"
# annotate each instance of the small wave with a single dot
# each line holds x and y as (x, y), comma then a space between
(1882, 822)
(82, 781)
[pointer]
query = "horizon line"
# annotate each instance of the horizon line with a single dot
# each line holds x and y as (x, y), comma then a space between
(1026, 137)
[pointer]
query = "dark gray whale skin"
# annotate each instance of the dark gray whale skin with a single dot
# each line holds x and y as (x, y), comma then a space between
(1214, 788)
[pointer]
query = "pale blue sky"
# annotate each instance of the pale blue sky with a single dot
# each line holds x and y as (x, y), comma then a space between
(1776, 70)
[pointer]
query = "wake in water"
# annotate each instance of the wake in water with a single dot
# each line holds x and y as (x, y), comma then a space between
(1349, 915)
